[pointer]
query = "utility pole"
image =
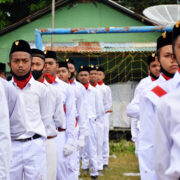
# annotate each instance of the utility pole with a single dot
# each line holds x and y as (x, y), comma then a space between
(53, 17)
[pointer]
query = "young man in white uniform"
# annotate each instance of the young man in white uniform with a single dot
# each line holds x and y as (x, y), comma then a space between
(167, 122)
(89, 154)
(56, 110)
(148, 106)
(29, 148)
(100, 121)
(66, 133)
(79, 91)
(108, 104)
(133, 107)
(5, 139)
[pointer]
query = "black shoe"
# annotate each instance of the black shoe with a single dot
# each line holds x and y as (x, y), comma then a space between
(85, 172)
(94, 177)
(100, 173)
(105, 167)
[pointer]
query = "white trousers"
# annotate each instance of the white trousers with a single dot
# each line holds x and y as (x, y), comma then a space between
(77, 153)
(100, 139)
(106, 140)
(89, 152)
(28, 160)
(51, 155)
(66, 165)
(146, 164)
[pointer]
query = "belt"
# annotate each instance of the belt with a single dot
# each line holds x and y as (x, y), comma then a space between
(50, 137)
(60, 129)
(36, 136)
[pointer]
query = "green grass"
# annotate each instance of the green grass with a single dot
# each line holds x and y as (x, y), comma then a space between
(125, 162)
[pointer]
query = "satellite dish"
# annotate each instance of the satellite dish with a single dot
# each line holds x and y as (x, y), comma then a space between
(163, 14)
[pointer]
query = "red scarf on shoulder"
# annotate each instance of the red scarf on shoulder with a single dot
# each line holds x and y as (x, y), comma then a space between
(23, 83)
(86, 85)
(50, 79)
(100, 83)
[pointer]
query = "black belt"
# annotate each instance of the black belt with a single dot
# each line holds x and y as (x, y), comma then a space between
(36, 136)
(60, 129)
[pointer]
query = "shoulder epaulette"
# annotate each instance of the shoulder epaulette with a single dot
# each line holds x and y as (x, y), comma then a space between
(159, 91)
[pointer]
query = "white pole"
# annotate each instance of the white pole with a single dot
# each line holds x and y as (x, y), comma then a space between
(53, 17)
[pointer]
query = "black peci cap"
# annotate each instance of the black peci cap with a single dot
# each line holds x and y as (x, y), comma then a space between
(69, 60)
(151, 58)
(2, 67)
(176, 31)
(63, 64)
(164, 40)
(100, 68)
(92, 67)
(20, 45)
(50, 54)
(38, 53)
(83, 68)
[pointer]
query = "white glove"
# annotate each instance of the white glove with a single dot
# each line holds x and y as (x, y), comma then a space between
(68, 149)
(81, 143)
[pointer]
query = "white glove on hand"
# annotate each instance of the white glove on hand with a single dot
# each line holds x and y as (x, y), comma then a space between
(81, 143)
(68, 149)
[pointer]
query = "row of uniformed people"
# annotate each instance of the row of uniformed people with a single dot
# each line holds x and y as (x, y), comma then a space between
(155, 114)
(49, 118)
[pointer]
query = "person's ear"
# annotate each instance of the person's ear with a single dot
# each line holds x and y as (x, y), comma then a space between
(9, 64)
(69, 74)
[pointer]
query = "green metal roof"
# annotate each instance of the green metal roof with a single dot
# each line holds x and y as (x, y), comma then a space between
(80, 16)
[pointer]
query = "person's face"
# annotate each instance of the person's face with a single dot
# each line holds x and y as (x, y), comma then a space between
(154, 68)
(93, 76)
(83, 77)
(3, 75)
(37, 64)
(177, 49)
(167, 59)
(72, 68)
(100, 76)
(20, 63)
(63, 74)
(50, 66)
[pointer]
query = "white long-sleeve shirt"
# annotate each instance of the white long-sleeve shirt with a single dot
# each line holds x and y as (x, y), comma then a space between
(109, 98)
(55, 109)
(5, 142)
(103, 96)
(166, 131)
(36, 104)
(148, 103)
(133, 107)
(70, 110)
(16, 110)
(81, 115)
(94, 108)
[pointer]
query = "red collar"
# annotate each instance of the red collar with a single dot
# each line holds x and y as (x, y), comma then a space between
(153, 79)
(179, 70)
(165, 77)
(94, 85)
(71, 81)
(86, 85)
(100, 83)
(50, 79)
(23, 83)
